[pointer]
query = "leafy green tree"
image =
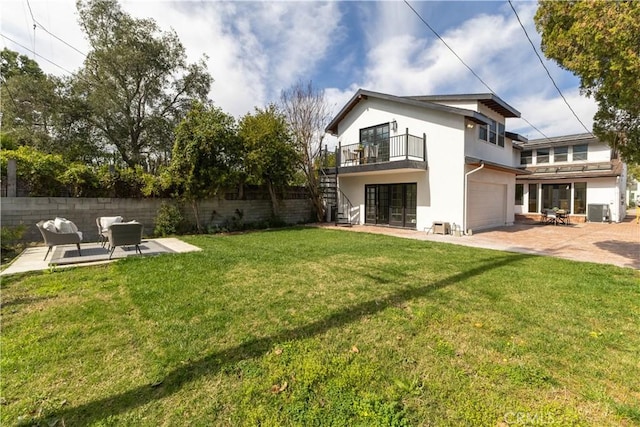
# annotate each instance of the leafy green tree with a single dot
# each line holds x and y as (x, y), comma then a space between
(270, 157)
(598, 41)
(14, 64)
(41, 111)
(136, 81)
(28, 101)
(207, 155)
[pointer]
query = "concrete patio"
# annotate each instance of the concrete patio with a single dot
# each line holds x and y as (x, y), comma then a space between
(32, 259)
(617, 243)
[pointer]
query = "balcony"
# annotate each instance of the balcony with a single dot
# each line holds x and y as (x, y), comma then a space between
(397, 152)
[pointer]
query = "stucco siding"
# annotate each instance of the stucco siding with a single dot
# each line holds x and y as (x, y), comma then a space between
(605, 191)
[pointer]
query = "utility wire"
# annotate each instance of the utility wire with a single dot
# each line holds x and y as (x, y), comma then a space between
(35, 21)
(464, 63)
(38, 55)
(34, 28)
(448, 47)
(546, 69)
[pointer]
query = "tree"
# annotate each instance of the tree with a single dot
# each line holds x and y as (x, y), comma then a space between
(136, 80)
(598, 41)
(29, 99)
(13, 64)
(270, 157)
(307, 113)
(42, 112)
(207, 155)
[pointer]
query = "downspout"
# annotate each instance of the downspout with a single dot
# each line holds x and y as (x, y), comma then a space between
(466, 195)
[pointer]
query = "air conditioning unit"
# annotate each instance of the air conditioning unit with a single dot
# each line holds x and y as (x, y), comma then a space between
(441, 227)
(598, 213)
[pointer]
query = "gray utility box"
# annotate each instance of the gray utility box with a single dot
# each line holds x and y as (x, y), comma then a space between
(598, 213)
(441, 227)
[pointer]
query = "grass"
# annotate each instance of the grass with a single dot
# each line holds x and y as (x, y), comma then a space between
(318, 327)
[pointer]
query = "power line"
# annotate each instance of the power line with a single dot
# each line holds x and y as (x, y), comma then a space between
(464, 63)
(35, 21)
(36, 54)
(34, 27)
(546, 69)
(448, 47)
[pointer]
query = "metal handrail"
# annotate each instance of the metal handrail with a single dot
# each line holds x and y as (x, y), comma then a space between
(345, 207)
(399, 147)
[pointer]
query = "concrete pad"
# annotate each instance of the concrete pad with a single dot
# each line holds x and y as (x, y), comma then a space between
(617, 243)
(32, 259)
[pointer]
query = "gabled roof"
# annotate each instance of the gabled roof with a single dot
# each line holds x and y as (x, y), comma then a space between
(489, 100)
(362, 94)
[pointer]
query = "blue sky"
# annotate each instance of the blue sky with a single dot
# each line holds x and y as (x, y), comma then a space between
(256, 49)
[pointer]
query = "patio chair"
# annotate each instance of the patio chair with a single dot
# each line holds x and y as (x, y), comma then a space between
(124, 234)
(66, 233)
(103, 223)
(372, 154)
(349, 157)
(551, 217)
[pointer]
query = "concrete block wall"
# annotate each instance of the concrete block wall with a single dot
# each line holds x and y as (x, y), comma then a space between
(84, 211)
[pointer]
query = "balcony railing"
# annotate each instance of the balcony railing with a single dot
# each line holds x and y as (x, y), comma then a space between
(396, 148)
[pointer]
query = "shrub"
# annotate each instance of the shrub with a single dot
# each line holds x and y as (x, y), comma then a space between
(169, 220)
(11, 241)
(39, 171)
(81, 180)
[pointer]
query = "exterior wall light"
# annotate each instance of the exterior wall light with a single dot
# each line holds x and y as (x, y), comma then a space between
(394, 125)
(470, 125)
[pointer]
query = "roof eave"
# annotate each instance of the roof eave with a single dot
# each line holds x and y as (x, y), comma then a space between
(496, 166)
(362, 94)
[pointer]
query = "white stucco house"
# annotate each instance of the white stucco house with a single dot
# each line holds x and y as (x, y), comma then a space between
(416, 161)
(577, 173)
(412, 161)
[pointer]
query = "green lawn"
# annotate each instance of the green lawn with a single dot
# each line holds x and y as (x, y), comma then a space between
(317, 327)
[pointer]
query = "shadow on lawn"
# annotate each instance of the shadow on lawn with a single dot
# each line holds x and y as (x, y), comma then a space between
(174, 380)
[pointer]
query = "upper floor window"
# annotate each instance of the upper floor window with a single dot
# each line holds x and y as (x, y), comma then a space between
(493, 130)
(483, 133)
(580, 152)
(493, 133)
(560, 154)
(542, 155)
(374, 134)
(526, 157)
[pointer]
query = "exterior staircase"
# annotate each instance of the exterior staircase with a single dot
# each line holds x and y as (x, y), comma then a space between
(335, 201)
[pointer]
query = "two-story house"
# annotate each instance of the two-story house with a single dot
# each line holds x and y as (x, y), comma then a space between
(576, 173)
(415, 160)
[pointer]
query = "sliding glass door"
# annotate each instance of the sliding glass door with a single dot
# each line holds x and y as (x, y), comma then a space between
(391, 204)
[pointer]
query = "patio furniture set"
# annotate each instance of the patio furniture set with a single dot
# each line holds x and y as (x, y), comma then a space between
(112, 232)
(555, 216)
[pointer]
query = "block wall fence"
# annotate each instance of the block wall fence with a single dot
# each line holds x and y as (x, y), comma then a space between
(84, 211)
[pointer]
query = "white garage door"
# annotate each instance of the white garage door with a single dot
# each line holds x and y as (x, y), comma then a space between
(487, 205)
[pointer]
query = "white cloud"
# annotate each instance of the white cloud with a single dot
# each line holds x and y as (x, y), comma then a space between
(552, 116)
(59, 18)
(254, 49)
(257, 49)
(407, 59)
